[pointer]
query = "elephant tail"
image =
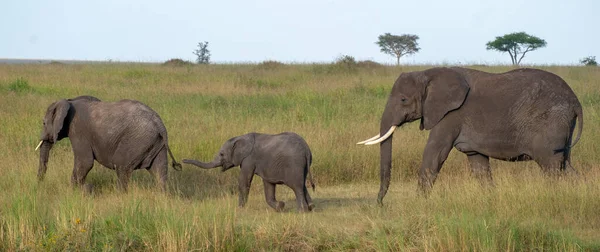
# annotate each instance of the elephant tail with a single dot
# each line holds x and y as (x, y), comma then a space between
(567, 150)
(310, 177)
(176, 166)
(579, 113)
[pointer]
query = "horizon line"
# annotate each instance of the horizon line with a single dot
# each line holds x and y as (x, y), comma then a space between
(41, 61)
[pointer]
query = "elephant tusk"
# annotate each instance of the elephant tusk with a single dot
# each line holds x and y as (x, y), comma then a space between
(381, 139)
(370, 139)
(38, 146)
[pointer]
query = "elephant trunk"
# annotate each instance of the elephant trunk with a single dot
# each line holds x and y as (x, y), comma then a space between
(385, 168)
(214, 164)
(388, 124)
(44, 153)
(390, 120)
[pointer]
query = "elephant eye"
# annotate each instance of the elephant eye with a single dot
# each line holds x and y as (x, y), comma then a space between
(403, 99)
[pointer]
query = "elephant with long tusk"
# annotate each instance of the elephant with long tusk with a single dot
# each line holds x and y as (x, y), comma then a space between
(523, 114)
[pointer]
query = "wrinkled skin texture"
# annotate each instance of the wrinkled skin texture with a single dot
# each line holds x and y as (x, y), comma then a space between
(123, 136)
(283, 158)
(523, 114)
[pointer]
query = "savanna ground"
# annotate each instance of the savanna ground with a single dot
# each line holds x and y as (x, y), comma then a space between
(332, 107)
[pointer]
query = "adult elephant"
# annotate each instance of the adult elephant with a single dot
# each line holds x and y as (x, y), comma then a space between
(125, 135)
(523, 114)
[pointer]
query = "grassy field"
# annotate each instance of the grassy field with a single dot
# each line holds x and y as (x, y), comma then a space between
(332, 107)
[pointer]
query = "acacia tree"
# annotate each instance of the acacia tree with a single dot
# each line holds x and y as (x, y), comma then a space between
(202, 53)
(398, 45)
(517, 43)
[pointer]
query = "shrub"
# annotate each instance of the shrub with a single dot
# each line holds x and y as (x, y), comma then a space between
(270, 65)
(346, 60)
(19, 85)
(345, 63)
(177, 62)
(369, 64)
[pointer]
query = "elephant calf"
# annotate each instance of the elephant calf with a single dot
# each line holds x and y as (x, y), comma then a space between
(124, 136)
(283, 158)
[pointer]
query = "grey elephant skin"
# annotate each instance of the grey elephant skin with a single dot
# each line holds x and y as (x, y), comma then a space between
(125, 135)
(519, 115)
(283, 158)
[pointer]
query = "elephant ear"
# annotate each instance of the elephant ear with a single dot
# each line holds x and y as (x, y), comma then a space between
(242, 147)
(61, 110)
(446, 90)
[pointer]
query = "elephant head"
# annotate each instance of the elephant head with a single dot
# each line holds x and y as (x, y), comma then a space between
(54, 129)
(231, 154)
(56, 124)
(427, 95)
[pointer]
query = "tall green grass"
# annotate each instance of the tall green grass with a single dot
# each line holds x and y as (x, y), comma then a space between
(332, 107)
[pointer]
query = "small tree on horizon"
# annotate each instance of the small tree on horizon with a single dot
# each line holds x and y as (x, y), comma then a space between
(202, 53)
(589, 61)
(398, 46)
(516, 43)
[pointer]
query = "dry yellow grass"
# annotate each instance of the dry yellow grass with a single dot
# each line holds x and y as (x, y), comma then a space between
(332, 107)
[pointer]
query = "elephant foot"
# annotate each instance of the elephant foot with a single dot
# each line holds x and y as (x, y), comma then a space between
(571, 172)
(424, 189)
(304, 210)
(423, 193)
(280, 206)
(487, 184)
(88, 189)
(380, 201)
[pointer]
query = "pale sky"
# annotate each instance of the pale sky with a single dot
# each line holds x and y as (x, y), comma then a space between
(294, 31)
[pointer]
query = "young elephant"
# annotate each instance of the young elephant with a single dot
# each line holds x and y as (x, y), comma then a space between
(124, 136)
(283, 158)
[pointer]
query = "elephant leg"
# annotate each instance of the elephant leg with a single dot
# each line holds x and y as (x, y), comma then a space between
(83, 163)
(244, 182)
(552, 162)
(480, 168)
(300, 197)
(308, 199)
(551, 147)
(159, 169)
(438, 147)
(270, 196)
(552, 165)
(123, 176)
